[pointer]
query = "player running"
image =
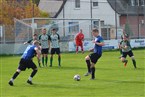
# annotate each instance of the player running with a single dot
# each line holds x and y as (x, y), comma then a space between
(55, 48)
(126, 50)
(92, 59)
(45, 45)
(27, 62)
(79, 41)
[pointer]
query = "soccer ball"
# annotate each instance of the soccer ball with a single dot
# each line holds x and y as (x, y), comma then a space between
(77, 77)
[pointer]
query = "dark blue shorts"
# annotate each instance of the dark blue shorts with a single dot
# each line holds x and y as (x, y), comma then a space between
(55, 50)
(45, 51)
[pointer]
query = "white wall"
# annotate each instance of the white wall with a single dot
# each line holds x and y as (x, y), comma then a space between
(103, 12)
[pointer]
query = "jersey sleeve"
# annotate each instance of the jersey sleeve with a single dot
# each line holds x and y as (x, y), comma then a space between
(39, 37)
(101, 39)
(58, 36)
(49, 38)
(29, 41)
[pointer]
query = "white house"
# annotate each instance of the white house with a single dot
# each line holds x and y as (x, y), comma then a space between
(92, 13)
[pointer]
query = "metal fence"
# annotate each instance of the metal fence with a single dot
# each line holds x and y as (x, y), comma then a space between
(116, 18)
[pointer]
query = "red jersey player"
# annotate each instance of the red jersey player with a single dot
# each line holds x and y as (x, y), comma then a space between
(79, 41)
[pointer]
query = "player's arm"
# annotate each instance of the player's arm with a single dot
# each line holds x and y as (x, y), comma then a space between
(49, 40)
(101, 43)
(38, 53)
(29, 41)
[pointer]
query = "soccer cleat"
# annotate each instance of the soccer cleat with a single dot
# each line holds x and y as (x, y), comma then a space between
(92, 78)
(29, 82)
(11, 83)
(87, 74)
(125, 63)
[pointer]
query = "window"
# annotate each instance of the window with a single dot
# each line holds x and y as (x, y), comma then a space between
(77, 3)
(73, 27)
(95, 24)
(95, 3)
(102, 23)
(137, 2)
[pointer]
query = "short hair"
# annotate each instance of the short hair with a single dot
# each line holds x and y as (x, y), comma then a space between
(95, 30)
(34, 34)
(53, 29)
(35, 42)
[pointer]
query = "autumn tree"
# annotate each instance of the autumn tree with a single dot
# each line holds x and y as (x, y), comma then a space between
(20, 9)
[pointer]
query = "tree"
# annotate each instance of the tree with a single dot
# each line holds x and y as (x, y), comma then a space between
(20, 9)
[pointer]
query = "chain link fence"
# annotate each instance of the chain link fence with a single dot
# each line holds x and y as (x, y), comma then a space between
(122, 17)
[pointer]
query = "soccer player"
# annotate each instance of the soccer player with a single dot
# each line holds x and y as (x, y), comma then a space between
(55, 48)
(120, 46)
(45, 45)
(79, 41)
(126, 50)
(31, 40)
(92, 59)
(27, 62)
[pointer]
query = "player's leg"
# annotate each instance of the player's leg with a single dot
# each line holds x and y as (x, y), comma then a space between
(93, 71)
(82, 48)
(130, 53)
(14, 77)
(22, 66)
(59, 56)
(94, 58)
(34, 68)
(123, 58)
(87, 59)
(46, 59)
(51, 57)
(77, 48)
(42, 51)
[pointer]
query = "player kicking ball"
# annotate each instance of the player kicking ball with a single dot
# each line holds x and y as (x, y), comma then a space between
(27, 62)
(92, 59)
(126, 50)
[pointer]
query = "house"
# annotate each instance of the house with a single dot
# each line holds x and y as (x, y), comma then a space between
(109, 16)
(131, 16)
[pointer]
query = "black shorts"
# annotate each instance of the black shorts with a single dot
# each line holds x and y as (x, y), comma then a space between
(23, 64)
(45, 51)
(55, 50)
(94, 57)
(130, 53)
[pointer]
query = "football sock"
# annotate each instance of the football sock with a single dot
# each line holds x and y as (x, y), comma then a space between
(134, 63)
(14, 76)
(51, 59)
(77, 48)
(93, 72)
(46, 59)
(33, 73)
(88, 65)
(59, 60)
(30, 78)
(43, 61)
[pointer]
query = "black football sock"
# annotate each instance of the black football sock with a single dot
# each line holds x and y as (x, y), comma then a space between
(88, 65)
(93, 72)
(51, 59)
(46, 59)
(59, 60)
(43, 61)
(33, 73)
(134, 63)
(15, 75)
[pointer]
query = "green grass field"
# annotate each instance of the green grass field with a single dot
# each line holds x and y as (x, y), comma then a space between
(112, 78)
